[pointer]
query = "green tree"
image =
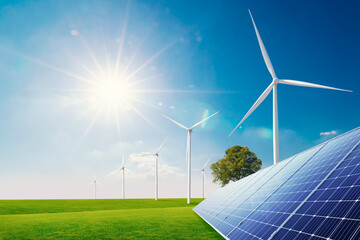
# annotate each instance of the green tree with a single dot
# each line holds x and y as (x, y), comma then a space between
(238, 163)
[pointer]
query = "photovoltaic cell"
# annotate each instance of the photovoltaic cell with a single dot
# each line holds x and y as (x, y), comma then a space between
(313, 195)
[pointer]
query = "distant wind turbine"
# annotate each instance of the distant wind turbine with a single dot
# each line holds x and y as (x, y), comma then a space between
(273, 86)
(95, 182)
(123, 169)
(188, 149)
(203, 177)
(156, 155)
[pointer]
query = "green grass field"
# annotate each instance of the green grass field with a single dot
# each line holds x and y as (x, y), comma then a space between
(102, 219)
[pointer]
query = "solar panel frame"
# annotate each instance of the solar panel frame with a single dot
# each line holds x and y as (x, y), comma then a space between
(319, 179)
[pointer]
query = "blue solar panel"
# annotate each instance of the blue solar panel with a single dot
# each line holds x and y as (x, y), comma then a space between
(315, 194)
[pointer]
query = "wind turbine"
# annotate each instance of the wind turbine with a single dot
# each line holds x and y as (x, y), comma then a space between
(188, 149)
(123, 169)
(95, 182)
(273, 87)
(203, 177)
(156, 155)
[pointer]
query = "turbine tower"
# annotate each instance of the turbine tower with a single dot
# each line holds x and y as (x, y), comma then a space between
(123, 169)
(273, 86)
(95, 182)
(203, 177)
(156, 155)
(188, 149)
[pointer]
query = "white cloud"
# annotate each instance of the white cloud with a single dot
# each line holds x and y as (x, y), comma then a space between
(147, 164)
(333, 132)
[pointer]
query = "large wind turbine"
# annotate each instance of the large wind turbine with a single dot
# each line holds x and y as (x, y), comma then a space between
(156, 155)
(273, 86)
(123, 169)
(203, 177)
(95, 182)
(188, 149)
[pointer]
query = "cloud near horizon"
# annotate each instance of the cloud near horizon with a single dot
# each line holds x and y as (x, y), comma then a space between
(333, 132)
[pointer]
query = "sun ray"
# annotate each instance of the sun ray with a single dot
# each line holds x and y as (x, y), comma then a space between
(123, 72)
(91, 54)
(86, 68)
(93, 121)
(144, 117)
(39, 62)
(122, 38)
(150, 60)
(117, 122)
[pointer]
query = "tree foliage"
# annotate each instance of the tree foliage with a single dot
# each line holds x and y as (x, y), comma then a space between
(238, 163)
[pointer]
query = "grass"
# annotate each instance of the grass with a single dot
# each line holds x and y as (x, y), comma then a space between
(102, 219)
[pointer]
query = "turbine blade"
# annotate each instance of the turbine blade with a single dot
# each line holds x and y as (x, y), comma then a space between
(207, 162)
(99, 183)
(129, 171)
(263, 50)
(256, 104)
(113, 172)
(145, 154)
(89, 184)
(307, 84)
(158, 150)
(180, 125)
(203, 121)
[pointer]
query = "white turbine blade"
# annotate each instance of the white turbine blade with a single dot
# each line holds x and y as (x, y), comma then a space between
(203, 121)
(307, 84)
(113, 172)
(99, 183)
(180, 125)
(89, 184)
(158, 150)
(256, 104)
(207, 162)
(129, 171)
(145, 154)
(263, 50)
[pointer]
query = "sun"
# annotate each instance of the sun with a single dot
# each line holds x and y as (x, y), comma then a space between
(113, 93)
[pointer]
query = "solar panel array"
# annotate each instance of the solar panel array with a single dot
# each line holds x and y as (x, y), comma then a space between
(312, 195)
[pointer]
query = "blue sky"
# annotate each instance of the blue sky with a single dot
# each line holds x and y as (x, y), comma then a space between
(185, 59)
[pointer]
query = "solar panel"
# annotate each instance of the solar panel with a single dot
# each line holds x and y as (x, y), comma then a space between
(313, 195)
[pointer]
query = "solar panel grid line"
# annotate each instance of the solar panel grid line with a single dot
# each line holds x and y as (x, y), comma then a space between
(277, 179)
(215, 219)
(355, 233)
(205, 211)
(241, 193)
(313, 191)
(291, 158)
(340, 218)
(349, 210)
(341, 192)
(261, 185)
(214, 227)
(234, 189)
(310, 234)
(347, 145)
(321, 147)
(246, 180)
